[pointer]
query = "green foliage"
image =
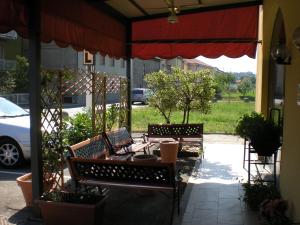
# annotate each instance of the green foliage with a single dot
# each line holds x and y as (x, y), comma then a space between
(245, 86)
(222, 119)
(256, 193)
(248, 123)
(194, 91)
(20, 75)
(80, 127)
(264, 134)
(7, 83)
(164, 93)
(112, 115)
(224, 82)
(183, 90)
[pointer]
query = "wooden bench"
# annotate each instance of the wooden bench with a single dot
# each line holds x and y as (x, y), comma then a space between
(92, 148)
(189, 134)
(127, 174)
(120, 142)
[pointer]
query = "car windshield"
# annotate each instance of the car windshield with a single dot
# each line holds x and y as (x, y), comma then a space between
(137, 92)
(9, 109)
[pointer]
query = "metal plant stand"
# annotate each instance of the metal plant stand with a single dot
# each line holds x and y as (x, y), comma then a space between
(265, 160)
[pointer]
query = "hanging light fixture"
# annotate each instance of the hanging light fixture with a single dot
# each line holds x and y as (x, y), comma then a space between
(281, 54)
(296, 38)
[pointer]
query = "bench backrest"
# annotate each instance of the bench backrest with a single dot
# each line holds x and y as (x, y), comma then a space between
(175, 130)
(92, 148)
(124, 172)
(119, 137)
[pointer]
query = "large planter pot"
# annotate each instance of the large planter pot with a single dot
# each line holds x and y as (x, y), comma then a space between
(168, 151)
(266, 148)
(25, 183)
(66, 213)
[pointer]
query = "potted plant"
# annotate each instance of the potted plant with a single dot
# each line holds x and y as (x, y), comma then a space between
(256, 193)
(264, 135)
(25, 183)
(58, 207)
(273, 212)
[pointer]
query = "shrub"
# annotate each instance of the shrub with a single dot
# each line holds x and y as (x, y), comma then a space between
(256, 193)
(80, 127)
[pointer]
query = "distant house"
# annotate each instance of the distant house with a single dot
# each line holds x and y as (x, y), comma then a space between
(195, 65)
(10, 46)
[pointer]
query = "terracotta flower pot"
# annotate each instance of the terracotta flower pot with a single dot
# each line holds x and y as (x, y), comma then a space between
(25, 183)
(168, 151)
(66, 213)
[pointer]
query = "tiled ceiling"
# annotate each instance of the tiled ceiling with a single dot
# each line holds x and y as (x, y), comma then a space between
(140, 8)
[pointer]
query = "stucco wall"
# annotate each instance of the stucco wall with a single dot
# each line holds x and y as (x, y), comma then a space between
(290, 161)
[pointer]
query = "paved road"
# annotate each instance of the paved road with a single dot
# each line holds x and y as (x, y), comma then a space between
(73, 111)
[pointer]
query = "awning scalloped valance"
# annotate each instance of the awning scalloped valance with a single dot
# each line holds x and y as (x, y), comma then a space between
(229, 32)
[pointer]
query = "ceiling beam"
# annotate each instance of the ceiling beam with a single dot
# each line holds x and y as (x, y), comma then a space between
(197, 41)
(201, 9)
(107, 9)
(142, 10)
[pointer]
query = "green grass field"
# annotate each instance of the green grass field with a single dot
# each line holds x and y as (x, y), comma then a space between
(222, 119)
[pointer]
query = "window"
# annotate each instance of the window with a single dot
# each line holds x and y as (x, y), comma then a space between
(122, 63)
(101, 59)
(112, 63)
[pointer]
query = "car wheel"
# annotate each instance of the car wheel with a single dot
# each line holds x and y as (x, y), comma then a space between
(10, 153)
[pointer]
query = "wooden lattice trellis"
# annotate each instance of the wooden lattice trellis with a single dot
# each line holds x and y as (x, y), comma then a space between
(123, 115)
(55, 86)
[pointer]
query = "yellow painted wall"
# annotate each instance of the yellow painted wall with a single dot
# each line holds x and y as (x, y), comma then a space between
(290, 160)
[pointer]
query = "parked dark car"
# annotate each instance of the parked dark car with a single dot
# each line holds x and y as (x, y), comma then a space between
(140, 95)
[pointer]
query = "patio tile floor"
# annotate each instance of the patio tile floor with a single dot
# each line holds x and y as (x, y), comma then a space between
(215, 194)
(212, 196)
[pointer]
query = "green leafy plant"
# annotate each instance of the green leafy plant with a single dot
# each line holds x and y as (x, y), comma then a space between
(7, 83)
(82, 198)
(256, 193)
(80, 127)
(183, 90)
(245, 86)
(264, 135)
(112, 115)
(20, 74)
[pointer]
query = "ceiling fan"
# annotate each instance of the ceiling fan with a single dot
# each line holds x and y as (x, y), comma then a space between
(175, 9)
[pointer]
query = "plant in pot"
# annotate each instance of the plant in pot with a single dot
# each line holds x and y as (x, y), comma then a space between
(61, 205)
(273, 212)
(58, 205)
(264, 134)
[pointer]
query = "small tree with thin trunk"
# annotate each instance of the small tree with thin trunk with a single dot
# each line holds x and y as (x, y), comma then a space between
(183, 90)
(195, 91)
(164, 93)
(245, 86)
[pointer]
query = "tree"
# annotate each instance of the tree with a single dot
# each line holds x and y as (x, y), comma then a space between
(20, 75)
(7, 83)
(183, 90)
(245, 86)
(225, 81)
(164, 93)
(194, 91)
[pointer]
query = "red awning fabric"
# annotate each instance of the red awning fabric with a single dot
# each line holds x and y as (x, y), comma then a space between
(229, 32)
(68, 22)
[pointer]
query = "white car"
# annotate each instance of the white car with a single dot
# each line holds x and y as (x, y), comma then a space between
(14, 134)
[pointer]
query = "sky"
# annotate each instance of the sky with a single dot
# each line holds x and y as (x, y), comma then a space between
(242, 64)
